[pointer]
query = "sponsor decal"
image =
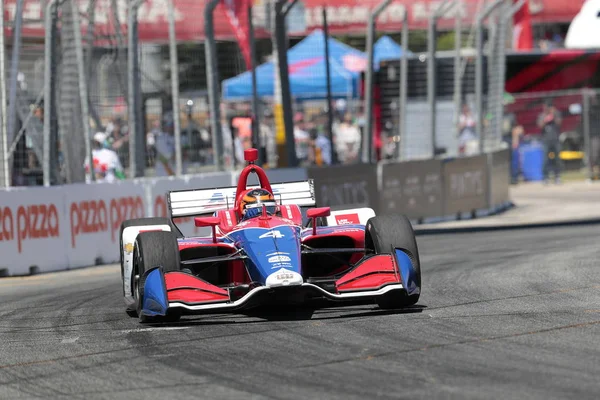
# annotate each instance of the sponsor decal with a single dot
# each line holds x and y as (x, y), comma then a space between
(284, 276)
(281, 265)
(279, 259)
(346, 194)
(347, 219)
(94, 216)
(466, 184)
(36, 221)
(272, 234)
(228, 217)
(128, 247)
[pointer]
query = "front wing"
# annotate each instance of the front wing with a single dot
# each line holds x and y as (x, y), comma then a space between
(374, 276)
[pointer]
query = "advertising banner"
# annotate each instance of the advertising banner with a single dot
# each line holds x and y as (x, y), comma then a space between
(465, 184)
(347, 186)
(345, 16)
(33, 230)
(94, 213)
(413, 188)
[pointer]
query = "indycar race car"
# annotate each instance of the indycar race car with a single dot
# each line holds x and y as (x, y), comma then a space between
(269, 244)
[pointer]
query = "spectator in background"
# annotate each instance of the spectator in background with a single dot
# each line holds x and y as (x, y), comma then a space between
(267, 140)
(302, 138)
(206, 145)
(243, 125)
(118, 138)
(151, 144)
(320, 145)
(106, 164)
(549, 121)
(389, 147)
(347, 140)
(242, 132)
(165, 148)
(229, 155)
(467, 135)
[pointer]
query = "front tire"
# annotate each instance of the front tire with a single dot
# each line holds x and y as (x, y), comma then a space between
(385, 234)
(137, 222)
(153, 249)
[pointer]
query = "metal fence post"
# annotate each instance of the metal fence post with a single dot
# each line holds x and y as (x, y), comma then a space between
(431, 70)
(212, 80)
(457, 65)
(368, 152)
(479, 113)
(506, 17)
(131, 71)
(284, 79)
(14, 72)
(4, 169)
(256, 139)
(333, 153)
(83, 90)
(585, 93)
(403, 88)
(48, 60)
(175, 88)
(89, 57)
(136, 146)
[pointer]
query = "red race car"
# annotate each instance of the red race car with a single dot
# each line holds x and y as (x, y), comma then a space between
(268, 245)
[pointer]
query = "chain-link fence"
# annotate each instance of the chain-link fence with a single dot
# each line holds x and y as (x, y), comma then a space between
(140, 57)
(549, 130)
(22, 95)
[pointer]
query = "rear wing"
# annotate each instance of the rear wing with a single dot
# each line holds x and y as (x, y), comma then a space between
(187, 203)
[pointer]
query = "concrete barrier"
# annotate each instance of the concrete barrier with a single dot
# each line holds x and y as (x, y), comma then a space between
(72, 226)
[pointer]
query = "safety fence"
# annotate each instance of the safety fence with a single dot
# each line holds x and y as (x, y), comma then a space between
(553, 128)
(77, 225)
(151, 77)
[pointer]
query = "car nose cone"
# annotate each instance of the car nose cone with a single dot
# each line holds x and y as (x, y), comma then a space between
(284, 277)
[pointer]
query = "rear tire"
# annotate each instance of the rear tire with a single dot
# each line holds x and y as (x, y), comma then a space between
(384, 234)
(153, 249)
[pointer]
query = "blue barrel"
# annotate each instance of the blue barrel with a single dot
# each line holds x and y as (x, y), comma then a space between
(532, 161)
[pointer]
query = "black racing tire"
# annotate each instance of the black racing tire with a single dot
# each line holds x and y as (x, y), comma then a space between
(153, 249)
(384, 234)
(137, 222)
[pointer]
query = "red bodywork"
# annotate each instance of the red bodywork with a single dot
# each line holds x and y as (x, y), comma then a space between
(217, 283)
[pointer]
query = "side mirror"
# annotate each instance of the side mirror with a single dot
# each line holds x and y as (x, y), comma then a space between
(315, 213)
(201, 222)
(318, 212)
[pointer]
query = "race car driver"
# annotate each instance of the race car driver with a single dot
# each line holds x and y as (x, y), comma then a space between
(252, 203)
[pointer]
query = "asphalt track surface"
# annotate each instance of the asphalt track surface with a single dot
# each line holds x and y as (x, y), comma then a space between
(509, 314)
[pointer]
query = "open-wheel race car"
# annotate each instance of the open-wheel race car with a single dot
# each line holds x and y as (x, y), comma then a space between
(269, 244)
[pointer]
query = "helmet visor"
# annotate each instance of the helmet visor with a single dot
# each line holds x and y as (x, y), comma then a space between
(271, 207)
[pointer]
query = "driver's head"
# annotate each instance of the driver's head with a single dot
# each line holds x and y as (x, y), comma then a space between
(253, 201)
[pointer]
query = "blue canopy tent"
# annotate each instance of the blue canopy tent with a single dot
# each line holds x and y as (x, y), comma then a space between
(307, 72)
(386, 49)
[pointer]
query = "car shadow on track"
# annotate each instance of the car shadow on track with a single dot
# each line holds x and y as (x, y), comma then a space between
(289, 314)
